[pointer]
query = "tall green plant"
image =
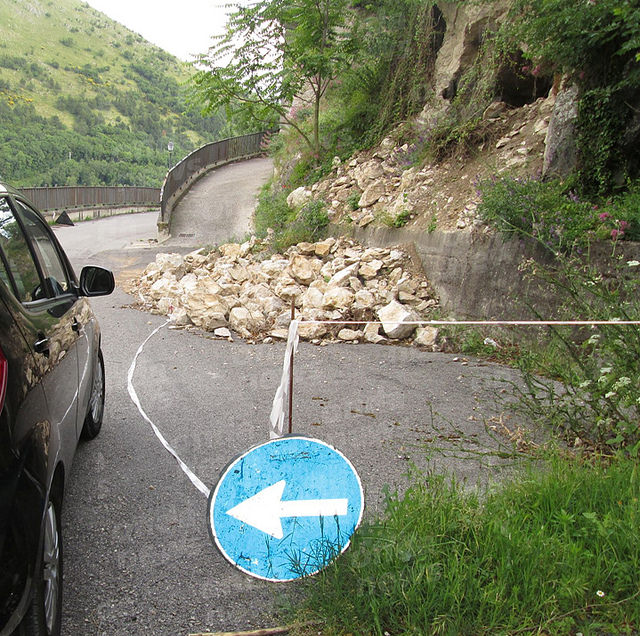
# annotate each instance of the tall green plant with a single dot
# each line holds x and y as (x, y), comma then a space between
(554, 551)
(391, 78)
(586, 384)
(272, 52)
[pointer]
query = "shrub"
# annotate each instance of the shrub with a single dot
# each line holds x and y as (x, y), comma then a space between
(289, 226)
(550, 213)
(585, 383)
(543, 211)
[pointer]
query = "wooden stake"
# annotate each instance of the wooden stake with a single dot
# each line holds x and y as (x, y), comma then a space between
(293, 316)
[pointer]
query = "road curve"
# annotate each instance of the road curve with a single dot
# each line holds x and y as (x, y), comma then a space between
(220, 205)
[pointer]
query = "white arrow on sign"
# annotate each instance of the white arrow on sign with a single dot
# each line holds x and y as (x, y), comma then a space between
(265, 509)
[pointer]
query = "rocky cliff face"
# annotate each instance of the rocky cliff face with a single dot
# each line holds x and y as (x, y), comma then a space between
(527, 131)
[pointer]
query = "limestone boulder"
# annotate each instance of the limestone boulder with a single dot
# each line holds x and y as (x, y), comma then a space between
(245, 322)
(166, 287)
(426, 337)
(342, 277)
(372, 194)
(393, 316)
(323, 248)
(370, 269)
(299, 197)
(304, 270)
(350, 335)
(179, 317)
(338, 298)
(312, 299)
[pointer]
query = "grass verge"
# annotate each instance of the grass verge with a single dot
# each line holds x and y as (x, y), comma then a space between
(554, 551)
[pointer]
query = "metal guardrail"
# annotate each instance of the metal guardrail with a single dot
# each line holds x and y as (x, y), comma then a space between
(68, 197)
(200, 161)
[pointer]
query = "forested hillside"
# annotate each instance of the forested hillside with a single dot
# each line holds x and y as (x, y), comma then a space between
(85, 101)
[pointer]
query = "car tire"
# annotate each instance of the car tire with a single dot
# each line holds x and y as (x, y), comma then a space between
(44, 617)
(93, 419)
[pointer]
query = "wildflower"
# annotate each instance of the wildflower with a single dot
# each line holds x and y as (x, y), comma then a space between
(623, 225)
(633, 263)
(603, 216)
(600, 593)
(609, 395)
(606, 370)
(585, 384)
(616, 234)
(621, 383)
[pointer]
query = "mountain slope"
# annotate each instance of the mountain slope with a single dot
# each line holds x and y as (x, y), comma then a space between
(84, 100)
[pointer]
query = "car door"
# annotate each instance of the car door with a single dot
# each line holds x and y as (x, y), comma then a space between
(80, 314)
(46, 312)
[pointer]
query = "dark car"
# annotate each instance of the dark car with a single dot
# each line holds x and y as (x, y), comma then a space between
(51, 394)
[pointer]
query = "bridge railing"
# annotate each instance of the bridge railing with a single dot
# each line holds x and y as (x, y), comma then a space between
(200, 161)
(85, 197)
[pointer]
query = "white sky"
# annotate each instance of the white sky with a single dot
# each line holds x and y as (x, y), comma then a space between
(182, 27)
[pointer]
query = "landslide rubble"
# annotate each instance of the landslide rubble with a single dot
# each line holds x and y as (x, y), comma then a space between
(239, 288)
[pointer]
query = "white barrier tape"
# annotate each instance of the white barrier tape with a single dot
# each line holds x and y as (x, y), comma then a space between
(277, 411)
(134, 397)
(489, 323)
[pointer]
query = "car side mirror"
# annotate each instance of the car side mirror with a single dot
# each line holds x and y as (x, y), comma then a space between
(96, 281)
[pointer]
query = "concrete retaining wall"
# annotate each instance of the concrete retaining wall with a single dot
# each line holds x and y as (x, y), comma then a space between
(477, 276)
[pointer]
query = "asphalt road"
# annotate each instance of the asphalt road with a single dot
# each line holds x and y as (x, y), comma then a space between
(138, 557)
(219, 206)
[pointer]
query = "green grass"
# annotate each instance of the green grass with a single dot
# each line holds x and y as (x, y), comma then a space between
(553, 551)
(289, 226)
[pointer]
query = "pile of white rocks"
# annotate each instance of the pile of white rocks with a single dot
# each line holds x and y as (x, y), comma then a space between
(238, 288)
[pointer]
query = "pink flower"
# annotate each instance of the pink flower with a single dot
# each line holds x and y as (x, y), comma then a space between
(536, 70)
(603, 216)
(616, 234)
(623, 225)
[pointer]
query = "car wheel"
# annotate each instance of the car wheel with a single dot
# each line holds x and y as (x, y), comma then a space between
(45, 614)
(93, 419)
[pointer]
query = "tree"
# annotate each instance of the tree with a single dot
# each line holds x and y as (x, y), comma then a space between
(272, 52)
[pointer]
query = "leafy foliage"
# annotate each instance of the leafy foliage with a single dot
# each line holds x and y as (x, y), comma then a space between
(595, 40)
(551, 214)
(390, 80)
(288, 226)
(597, 44)
(586, 385)
(277, 49)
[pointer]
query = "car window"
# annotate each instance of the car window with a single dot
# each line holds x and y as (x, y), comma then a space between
(18, 263)
(46, 252)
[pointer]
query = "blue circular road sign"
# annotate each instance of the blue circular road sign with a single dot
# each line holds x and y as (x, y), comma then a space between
(286, 508)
